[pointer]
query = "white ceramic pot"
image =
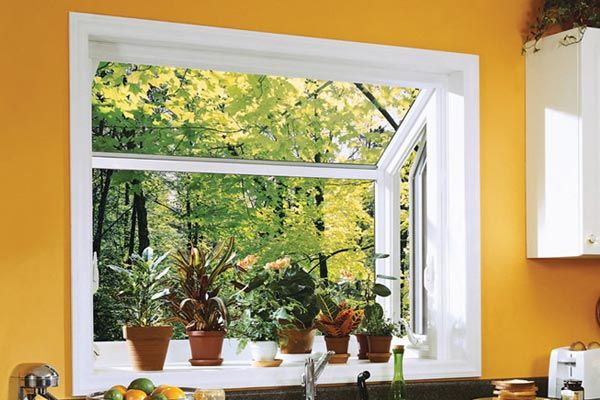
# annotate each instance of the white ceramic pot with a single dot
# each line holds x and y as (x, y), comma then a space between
(263, 351)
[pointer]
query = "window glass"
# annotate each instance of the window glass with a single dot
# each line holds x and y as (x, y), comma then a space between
(307, 219)
(191, 112)
(413, 217)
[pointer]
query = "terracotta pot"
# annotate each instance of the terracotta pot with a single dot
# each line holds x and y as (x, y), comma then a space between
(379, 344)
(363, 346)
(339, 345)
(296, 341)
(206, 347)
(148, 346)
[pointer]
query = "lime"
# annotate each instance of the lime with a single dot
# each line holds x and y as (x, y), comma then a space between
(158, 396)
(143, 384)
(120, 388)
(113, 394)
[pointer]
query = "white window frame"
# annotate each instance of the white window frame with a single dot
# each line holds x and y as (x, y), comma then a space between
(448, 104)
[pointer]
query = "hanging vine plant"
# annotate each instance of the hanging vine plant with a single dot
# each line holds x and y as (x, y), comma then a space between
(560, 15)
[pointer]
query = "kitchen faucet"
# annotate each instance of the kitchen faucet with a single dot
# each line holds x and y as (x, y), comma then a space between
(312, 371)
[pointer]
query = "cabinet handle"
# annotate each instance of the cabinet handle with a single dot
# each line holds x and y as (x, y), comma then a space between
(592, 239)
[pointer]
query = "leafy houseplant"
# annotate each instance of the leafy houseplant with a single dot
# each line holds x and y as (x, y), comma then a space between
(143, 293)
(559, 15)
(292, 292)
(259, 321)
(336, 321)
(296, 288)
(380, 332)
(363, 294)
(195, 301)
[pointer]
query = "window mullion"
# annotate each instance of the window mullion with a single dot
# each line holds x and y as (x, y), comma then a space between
(217, 166)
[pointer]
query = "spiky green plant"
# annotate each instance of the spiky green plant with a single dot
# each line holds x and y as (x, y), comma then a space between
(195, 300)
(143, 289)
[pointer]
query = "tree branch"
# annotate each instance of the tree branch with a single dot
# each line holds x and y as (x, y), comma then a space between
(377, 105)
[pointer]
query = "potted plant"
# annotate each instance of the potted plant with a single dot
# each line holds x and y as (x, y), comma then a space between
(380, 332)
(257, 323)
(362, 294)
(195, 301)
(336, 321)
(143, 291)
(560, 15)
(295, 289)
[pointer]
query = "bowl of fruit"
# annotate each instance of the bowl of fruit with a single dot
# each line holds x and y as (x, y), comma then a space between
(143, 389)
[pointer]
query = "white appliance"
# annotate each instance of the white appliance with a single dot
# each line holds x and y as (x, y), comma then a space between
(579, 365)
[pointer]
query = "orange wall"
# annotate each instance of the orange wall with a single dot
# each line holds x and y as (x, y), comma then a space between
(527, 307)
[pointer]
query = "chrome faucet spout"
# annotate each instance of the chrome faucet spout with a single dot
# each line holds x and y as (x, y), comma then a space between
(312, 371)
(321, 363)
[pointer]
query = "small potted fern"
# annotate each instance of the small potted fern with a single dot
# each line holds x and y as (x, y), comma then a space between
(337, 321)
(195, 300)
(143, 291)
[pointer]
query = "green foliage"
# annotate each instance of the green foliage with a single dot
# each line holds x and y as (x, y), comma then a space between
(380, 327)
(563, 14)
(195, 300)
(326, 224)
(143, 289)
(296, 286)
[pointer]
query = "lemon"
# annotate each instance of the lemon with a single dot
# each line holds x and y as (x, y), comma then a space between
(135, 394)
(173, 393)
(161, 388)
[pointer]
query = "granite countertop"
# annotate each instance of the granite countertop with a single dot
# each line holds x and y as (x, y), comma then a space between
(430, 390)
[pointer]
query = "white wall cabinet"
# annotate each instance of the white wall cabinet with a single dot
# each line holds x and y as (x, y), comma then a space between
(563, 145)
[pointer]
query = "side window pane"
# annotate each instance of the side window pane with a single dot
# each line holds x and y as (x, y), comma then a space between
(413, 176)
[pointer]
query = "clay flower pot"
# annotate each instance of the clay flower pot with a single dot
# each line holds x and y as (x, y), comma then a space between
(148, 346)
(206, 347)
(363, 346)
(296, 341)
(339, 345)
(379, 344)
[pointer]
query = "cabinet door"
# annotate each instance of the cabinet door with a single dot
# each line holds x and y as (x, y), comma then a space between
(554, 206)
(590, 138)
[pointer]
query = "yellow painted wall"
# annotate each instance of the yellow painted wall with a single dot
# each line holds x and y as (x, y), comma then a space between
(527, 306)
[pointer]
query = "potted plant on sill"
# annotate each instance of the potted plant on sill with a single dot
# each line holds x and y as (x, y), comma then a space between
(362, 294)
(257, 323)
(380, 332)
(337, 321)
(143, 293)
(195, 300)
(294, 289)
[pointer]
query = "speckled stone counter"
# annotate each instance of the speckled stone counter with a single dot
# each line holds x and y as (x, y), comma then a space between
(447, 390)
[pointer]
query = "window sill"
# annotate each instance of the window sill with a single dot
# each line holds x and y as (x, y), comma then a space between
(236, 372)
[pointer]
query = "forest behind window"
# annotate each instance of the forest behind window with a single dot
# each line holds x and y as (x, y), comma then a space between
(326, 224)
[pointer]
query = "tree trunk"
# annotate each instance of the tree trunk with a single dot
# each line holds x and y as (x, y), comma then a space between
(131, 246)
(139, 205)
(320, 225)
(101, 211)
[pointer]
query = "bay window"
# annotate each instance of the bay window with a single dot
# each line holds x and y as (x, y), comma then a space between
(322, 151)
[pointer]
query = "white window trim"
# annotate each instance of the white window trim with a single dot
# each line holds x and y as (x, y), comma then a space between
(451, 81)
